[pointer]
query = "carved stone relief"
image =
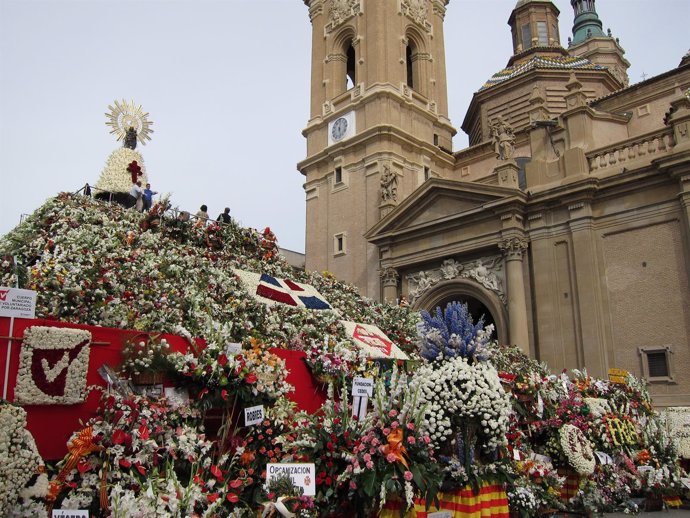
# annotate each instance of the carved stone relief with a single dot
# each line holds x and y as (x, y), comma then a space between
(514, 247)
(417, 11)
(389, 277)
(487, 271)
(341, 11)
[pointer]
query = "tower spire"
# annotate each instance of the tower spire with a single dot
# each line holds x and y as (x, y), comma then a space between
(587, 23)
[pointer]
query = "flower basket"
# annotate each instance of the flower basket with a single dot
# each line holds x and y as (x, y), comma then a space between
(653, 503)
(148, 378)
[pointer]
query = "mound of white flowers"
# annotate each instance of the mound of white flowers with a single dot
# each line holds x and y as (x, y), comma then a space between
(458, 393)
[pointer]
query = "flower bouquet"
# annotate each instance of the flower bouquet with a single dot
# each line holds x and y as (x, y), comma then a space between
(392, 461)
(145, 359)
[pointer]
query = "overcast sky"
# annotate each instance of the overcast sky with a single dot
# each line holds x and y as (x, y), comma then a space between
(226, 83)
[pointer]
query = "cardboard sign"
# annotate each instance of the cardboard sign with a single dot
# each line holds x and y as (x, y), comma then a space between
(233, 349)
(440, 514)
(618, 376)
(302, 475)
(68, 513)
(253, 415)
(17, 303)
(363, 387)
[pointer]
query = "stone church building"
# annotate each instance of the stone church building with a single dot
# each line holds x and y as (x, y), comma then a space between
(566, 222)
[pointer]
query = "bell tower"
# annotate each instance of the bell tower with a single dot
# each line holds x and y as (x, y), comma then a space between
(378, 125)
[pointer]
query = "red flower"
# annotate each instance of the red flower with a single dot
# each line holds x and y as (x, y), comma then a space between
(235, 483)
(232, 498)
(141, 469)
(120, 436)
(216, 472)
(212, 497)
(251, 378)
(125, 463)
(144, 433)
(223, 360)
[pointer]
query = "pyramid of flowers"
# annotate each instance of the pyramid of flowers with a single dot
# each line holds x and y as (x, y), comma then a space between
(464, 415)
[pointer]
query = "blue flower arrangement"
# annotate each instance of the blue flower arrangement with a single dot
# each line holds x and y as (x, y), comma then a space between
(453, 333)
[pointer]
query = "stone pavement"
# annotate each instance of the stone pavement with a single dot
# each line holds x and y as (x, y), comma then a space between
(674, 513)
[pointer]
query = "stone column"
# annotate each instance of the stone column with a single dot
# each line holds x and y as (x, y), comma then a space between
(513, 249)
(389, 282)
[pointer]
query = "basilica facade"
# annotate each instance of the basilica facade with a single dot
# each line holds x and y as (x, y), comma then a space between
(566, 222)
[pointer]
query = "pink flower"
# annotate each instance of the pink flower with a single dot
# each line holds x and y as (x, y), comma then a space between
(427, 439)
(353, 484)
(408, 475)
(386, 431)
(393, 412)
(410, 426)
(370, 465)
(391, 457)
(394, 425)
(411, 440)
(367, 457)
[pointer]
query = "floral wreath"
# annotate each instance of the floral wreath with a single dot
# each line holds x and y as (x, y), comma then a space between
(52, 366)
(577, 449)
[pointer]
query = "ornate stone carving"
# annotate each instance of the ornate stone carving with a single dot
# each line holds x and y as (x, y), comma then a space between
(487, 271)
(450, 269)
(341, 11)
(503, 138)
(513, 247)
(389, 185)
(389, 277)
(417, 10)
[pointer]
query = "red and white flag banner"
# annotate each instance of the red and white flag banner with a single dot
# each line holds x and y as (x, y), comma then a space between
(373, 341)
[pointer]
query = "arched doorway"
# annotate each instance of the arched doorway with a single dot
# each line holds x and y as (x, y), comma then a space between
(480, 301)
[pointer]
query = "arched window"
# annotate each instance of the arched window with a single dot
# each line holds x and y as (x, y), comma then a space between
(410, 68)
(416, 61)
(350, 71)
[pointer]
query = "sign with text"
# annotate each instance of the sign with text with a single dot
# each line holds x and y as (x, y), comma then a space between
(363, 387)
(17, 303)
(440, 514)
(67, 513)
(618, 376)
(302, 475)
(233, 349)
(253, 415)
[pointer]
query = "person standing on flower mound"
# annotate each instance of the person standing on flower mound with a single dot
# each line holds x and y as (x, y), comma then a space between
(201, 217)
(125, 166)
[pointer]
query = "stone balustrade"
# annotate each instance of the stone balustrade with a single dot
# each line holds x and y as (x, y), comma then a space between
(632, 150)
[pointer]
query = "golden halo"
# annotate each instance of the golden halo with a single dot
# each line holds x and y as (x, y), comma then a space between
(124, 115)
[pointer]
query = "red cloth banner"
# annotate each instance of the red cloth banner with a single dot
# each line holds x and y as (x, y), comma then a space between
(52, 425)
